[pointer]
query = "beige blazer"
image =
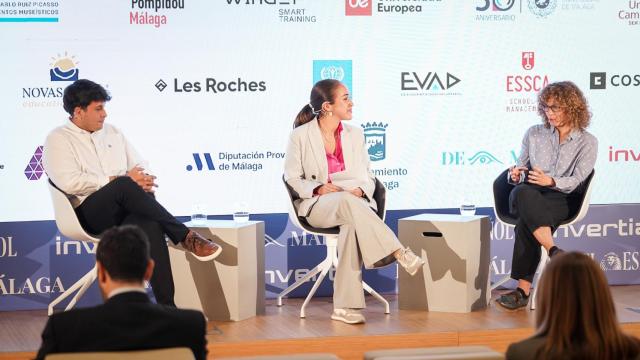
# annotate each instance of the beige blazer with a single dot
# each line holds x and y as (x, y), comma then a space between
(305, 165)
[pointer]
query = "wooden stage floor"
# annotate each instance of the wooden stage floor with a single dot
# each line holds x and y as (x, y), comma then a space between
(282, 331)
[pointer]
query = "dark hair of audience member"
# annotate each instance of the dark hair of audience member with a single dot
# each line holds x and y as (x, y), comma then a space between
(576, 315)
(82, 93)
(123, 251)
(323, 91)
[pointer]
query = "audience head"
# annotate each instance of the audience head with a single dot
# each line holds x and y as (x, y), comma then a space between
(569, 106)
(324, 91)
(123, 258)
(575, 312)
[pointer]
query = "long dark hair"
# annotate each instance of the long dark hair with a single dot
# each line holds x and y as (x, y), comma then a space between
(323, 90)
(576, 314)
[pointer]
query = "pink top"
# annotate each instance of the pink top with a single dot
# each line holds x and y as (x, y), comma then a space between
(335, 161)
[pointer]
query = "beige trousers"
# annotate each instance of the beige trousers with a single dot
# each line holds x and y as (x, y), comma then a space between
(364, 238)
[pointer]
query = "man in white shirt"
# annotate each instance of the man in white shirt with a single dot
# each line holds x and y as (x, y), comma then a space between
(105, 181)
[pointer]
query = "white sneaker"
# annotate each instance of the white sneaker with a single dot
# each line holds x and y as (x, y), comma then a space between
(349, 316)
(409, 261)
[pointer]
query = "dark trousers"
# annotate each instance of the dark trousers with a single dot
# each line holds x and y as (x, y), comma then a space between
(535, 206)
(121, 202)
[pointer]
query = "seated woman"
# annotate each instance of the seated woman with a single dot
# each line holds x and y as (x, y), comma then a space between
(556, 157)
(327, 164)
(575, 316)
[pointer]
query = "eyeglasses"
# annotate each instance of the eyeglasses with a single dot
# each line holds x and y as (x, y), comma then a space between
(554, 109)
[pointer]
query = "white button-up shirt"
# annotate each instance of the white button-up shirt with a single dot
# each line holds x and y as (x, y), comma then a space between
(80, 162)
(125, 289)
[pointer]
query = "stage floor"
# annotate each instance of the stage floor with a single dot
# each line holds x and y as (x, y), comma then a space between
(282, 331)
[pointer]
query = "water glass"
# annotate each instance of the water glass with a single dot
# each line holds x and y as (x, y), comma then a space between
(467, 208)
(199, 214)
(240, 213)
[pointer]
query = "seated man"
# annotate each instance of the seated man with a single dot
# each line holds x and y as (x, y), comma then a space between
(101, 173)
(127, 320)
(556, 157)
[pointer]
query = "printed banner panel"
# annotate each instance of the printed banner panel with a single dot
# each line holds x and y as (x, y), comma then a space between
(37, 263)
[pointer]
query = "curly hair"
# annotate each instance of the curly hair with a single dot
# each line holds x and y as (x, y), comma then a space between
(570, 98)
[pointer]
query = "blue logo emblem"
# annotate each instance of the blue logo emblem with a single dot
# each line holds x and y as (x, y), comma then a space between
(483, 158)
(64, 68)
(198, 161)
(542, 8)
(333, 69)
(375, 138)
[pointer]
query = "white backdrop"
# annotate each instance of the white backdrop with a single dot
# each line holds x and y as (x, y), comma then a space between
(450, 143)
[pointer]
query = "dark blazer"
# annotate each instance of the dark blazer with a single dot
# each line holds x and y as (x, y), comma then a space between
(525, 349)
(127, 321)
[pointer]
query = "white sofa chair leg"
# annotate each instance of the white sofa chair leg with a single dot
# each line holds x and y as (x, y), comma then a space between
(376, 295)
(500, 282)
(89, 278)
(331, 260)
(77, 286)
(323, 273)
(544, 259)
(313, 272)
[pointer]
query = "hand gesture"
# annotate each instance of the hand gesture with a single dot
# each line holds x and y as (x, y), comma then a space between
(357, 192)
(538, 177)
(328, 188)
(144, 180)
(515, 172)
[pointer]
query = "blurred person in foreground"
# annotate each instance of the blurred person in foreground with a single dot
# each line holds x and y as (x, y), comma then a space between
(575, 316)
(127, 320)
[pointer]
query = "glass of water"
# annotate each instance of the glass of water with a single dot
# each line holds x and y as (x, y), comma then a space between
(240, 213)
(199, 214)
(467, 208)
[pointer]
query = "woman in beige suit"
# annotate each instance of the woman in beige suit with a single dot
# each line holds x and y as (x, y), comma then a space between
(327, 164)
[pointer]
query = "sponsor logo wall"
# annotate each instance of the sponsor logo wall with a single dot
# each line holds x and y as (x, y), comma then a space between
(598, 80)
(207, 92)
(389, 7)
(283, 11)
(512, 10)
(629, 13)
(523, 86)
(30, 11)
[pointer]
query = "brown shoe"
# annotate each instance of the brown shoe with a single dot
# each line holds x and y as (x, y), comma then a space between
(203, 249)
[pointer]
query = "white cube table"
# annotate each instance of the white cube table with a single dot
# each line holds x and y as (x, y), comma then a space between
(456, 251)
(231, 287)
